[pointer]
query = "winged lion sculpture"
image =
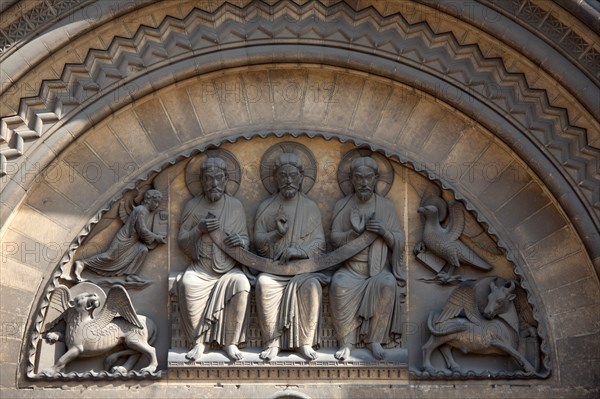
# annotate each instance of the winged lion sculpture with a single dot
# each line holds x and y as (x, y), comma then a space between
(88, 334)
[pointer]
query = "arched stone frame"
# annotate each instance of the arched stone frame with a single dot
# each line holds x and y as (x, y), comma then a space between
(97, 116)
(436, 66)
(95, 144)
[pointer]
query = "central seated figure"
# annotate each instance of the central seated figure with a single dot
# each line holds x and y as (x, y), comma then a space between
(288, 227)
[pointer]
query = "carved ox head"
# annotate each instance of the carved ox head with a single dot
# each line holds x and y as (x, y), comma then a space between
(499, 299)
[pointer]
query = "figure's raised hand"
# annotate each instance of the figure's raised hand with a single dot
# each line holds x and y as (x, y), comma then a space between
(233, 240)
(208, 224)
(357, 221)
(212, 224)
(290, 254)
(376, 226)
(281, 221)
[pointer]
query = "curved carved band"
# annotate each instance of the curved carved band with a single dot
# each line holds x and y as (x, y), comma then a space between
(295, 267)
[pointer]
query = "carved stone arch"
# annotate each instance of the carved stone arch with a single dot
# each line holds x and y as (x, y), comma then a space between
(134, 64)
(562, 268)
(159, 144)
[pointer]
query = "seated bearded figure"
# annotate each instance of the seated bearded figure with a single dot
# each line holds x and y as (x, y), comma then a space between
(288, 227)
(365, 291)
(213, 291)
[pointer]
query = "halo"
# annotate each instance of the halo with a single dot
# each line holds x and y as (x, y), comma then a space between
(86, 286)
(386, 171)
(267, 163)
(439, 203)
(192, 171)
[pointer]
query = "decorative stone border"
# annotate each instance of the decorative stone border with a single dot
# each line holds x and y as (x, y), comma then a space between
(339, 26)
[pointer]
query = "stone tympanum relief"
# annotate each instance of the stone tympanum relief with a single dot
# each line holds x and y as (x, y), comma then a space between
(213, 291)
(144, 228)
(91, 323)
(487, 316)
(294, 267)
(288, 226)
(367, 290)
(443, 248)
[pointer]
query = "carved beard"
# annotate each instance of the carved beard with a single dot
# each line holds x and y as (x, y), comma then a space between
(214, 196)
(288, 192)
(364, 195)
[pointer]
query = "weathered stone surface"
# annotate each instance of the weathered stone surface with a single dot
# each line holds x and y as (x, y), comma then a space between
(153, 117)
(540, 224)
(551, 90)
(559, 273)
(581, 321)
(8, 373)
(570, 297)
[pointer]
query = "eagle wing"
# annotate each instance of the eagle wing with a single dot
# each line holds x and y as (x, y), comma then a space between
(117, 303)
(456, 222)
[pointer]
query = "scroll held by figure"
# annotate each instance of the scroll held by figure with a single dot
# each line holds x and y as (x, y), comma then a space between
(302, 277)
(367, 291)
(143, 229)
(288, 227)
(213, 291)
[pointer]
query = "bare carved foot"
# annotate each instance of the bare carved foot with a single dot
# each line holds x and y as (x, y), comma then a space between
(269, 353)
(377, 350)
(195, 352)
(343, 353)
(308, 352)
(79, 266)
(233, 352)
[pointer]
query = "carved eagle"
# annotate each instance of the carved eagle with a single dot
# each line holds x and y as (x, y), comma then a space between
(445, 241)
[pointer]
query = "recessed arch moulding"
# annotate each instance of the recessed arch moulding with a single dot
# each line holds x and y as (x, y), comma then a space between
(520, 169)
(434, 149)
(479, 86)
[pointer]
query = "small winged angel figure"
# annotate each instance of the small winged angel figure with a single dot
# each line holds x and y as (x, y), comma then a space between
(88, 334)
(144, 227)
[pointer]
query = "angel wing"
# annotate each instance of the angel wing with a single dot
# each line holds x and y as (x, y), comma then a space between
(461, 300)
(117, 303)
(123, 212)
(130, 201)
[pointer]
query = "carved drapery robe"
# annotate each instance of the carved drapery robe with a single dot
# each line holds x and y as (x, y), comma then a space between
(213, 277)
(283, 306)
(128, 250)
(358, 287)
